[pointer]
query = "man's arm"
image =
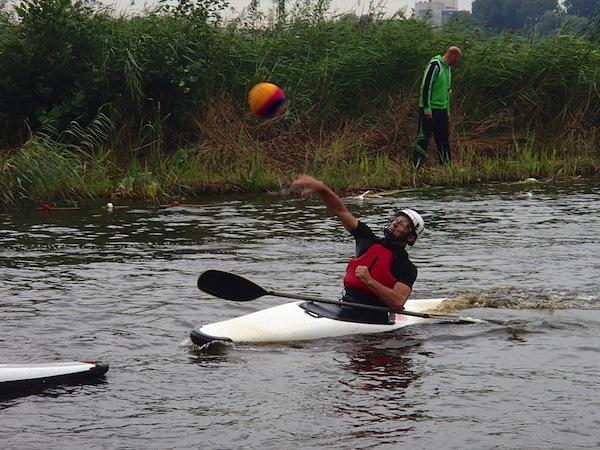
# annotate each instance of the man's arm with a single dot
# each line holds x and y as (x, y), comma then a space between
(394, 298)
(431, 72)
(308, 185)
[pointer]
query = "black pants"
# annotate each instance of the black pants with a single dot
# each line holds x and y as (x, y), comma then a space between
(438, 126)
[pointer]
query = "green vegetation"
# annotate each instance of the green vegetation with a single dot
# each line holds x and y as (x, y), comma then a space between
(511, 14)
(97, 106)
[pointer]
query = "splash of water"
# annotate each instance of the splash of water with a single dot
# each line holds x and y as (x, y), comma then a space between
(516, 298)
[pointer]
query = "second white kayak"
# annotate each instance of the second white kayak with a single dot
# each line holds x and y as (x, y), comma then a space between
(19, 377)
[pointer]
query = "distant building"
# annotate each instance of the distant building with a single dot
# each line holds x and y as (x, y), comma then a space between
(438, 11)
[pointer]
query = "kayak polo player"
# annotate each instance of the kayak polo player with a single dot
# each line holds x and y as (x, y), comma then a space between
(381, 273)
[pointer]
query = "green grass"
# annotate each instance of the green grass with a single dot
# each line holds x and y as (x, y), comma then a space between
(40, 172)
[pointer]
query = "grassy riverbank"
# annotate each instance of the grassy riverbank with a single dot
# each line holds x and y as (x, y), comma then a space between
(96, 106)
(44, 171)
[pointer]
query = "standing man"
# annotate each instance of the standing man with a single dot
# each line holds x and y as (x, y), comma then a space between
(381, 273)
(434, 106)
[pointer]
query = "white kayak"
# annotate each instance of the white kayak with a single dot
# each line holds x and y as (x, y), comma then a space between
(18, 377)
(295, 322)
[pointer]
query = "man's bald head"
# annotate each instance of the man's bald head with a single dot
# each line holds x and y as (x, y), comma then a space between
(452, 55)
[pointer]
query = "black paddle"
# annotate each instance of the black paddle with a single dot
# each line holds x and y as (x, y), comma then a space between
(229, 286)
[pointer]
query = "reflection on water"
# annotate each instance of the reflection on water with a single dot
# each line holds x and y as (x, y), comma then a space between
(381, 363)
(121, 286)
(379, 373)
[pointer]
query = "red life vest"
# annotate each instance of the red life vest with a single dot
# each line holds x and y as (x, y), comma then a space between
(379, 261)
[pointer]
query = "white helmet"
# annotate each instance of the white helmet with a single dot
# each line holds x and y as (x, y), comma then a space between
(416, 219)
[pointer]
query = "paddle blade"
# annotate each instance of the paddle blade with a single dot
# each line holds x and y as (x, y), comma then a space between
(229, 286)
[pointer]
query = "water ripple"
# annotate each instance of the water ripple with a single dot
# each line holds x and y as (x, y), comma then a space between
(121, 287)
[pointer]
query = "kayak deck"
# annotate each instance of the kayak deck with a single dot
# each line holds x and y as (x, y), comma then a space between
(291, 322)
(18, 377)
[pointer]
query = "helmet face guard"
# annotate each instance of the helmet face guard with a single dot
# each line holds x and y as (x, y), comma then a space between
(418, 225)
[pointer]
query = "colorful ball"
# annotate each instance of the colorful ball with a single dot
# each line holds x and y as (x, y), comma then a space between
(266, 100)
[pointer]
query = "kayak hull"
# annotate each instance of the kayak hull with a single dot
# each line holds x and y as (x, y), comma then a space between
(16, 378)
(292, 322)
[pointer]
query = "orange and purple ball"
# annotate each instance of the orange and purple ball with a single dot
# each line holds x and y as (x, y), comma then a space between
(266, 100)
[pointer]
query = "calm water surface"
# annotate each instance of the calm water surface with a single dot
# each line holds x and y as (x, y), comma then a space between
(121, 287)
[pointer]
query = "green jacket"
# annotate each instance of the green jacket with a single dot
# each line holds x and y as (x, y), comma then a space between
(435, 87)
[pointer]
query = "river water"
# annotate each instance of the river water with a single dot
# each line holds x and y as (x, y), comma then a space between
(120, 287)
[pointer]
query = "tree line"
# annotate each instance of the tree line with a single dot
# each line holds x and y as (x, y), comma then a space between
(542, 16)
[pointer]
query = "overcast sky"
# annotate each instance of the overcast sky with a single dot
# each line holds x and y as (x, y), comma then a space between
(359, 6)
